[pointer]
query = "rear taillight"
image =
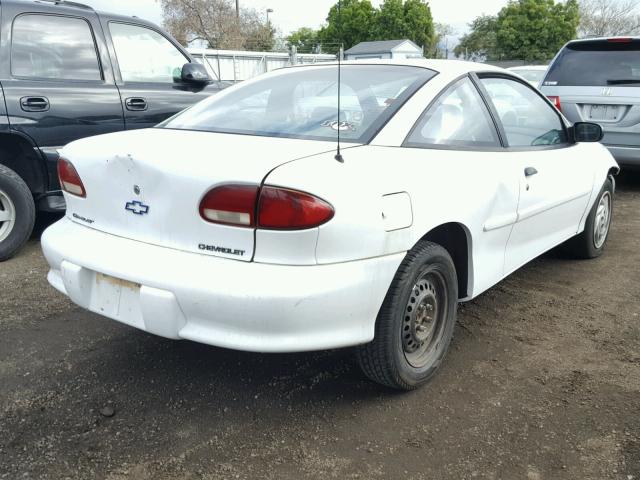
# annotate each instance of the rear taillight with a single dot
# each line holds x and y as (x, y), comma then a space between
(556, 102)
(231, 205)
(69, 179)
(620, 40)
(271, 208)
(284, 209)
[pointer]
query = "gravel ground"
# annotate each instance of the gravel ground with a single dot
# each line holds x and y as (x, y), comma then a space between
(542, 382)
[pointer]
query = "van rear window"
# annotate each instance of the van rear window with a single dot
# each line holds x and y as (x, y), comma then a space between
(597, 63)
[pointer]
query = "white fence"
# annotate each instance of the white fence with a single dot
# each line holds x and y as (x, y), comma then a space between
(238, 65)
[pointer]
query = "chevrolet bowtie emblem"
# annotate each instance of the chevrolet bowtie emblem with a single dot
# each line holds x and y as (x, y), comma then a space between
(137, 207)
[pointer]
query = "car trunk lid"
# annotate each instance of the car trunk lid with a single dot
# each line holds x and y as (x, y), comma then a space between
(147, 184)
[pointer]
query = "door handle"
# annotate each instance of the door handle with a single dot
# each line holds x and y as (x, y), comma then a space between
(136, 104)
(34, 104)
(530, 172)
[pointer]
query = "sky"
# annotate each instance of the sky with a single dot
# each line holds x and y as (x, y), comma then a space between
(289, 15)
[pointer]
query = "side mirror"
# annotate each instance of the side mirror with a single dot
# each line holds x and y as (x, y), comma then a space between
(587, 132)
(195, 73)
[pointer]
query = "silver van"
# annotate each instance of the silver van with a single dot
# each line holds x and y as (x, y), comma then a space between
(598, 80)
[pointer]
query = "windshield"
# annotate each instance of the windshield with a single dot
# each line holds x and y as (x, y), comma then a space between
(303, 103)
(597, 63)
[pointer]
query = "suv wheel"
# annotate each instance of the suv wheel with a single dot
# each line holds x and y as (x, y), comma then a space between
(17, 213)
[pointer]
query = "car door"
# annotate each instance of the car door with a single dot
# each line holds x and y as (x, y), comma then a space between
(554, 174)
(56, 78)
(460, 172)
(149, 71)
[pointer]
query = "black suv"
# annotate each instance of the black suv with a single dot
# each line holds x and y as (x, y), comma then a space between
(68, 72)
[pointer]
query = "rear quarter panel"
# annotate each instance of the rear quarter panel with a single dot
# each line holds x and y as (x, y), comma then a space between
(478, 190)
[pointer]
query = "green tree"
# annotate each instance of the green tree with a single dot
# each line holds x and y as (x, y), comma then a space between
(390, 21)
(394, 20)
(534, 30)
(419, 26)
(304, 39)
(355, 24)
(480, 42)
(411, 19)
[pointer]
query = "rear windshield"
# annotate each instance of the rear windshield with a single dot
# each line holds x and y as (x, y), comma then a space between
(597, 63)
(303, 103)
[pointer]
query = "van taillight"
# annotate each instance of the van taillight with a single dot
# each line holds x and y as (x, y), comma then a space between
(69, 179)
(556, 102)
(272, 208)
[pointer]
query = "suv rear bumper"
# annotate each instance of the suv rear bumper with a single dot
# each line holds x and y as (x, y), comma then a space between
(226, 303)
(625, 156)
(52, 202)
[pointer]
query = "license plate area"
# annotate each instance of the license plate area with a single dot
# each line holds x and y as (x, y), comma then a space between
(116, 298)
(605, 113)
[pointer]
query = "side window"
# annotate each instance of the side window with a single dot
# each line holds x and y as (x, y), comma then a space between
(459, 118)
(527, 119)
(144, 55)
(53, 47)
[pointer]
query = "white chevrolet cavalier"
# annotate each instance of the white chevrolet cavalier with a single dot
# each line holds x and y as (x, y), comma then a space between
(236, 224)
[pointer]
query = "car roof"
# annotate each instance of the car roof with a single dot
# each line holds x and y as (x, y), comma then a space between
(529, 67)
(600, 39)
(448, 67)
(66, 5)
(56, 3)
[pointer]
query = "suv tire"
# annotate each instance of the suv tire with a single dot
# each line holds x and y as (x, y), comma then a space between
(17, 213)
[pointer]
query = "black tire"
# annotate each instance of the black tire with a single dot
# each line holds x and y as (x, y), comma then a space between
(18, 193)
(389, 359)
(587, 245)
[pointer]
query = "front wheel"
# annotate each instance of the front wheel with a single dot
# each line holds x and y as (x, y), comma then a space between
(592, 241)
(416, 322)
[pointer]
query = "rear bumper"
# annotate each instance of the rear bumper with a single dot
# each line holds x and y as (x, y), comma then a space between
(226, 303)
(52, 202)
(625, 156)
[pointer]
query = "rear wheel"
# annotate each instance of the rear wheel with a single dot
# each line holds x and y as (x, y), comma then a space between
(592, 241)
(17, 213)
(416, 322)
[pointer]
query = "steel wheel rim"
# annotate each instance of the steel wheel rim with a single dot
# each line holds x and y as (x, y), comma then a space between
(424, 319)
(7, 216)
(602, 220)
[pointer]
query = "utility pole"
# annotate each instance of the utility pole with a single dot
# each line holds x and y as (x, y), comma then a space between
(238, 8)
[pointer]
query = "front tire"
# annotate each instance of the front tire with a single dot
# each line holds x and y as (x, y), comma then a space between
(592, 241)
(17, 213)
(415, 324)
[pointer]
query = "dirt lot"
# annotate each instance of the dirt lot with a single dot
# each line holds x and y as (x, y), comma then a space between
(543, 382)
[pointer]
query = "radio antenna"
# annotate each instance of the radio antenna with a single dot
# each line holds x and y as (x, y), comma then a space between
(338, 156)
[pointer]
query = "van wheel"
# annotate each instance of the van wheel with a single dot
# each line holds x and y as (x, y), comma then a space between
(592, 241)
(17, 213)
(415, 325)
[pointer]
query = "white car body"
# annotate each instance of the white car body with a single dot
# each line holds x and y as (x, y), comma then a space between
(310, 289)
(531, 73)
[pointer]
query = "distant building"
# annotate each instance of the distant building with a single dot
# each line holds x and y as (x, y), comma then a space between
(386, 49)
